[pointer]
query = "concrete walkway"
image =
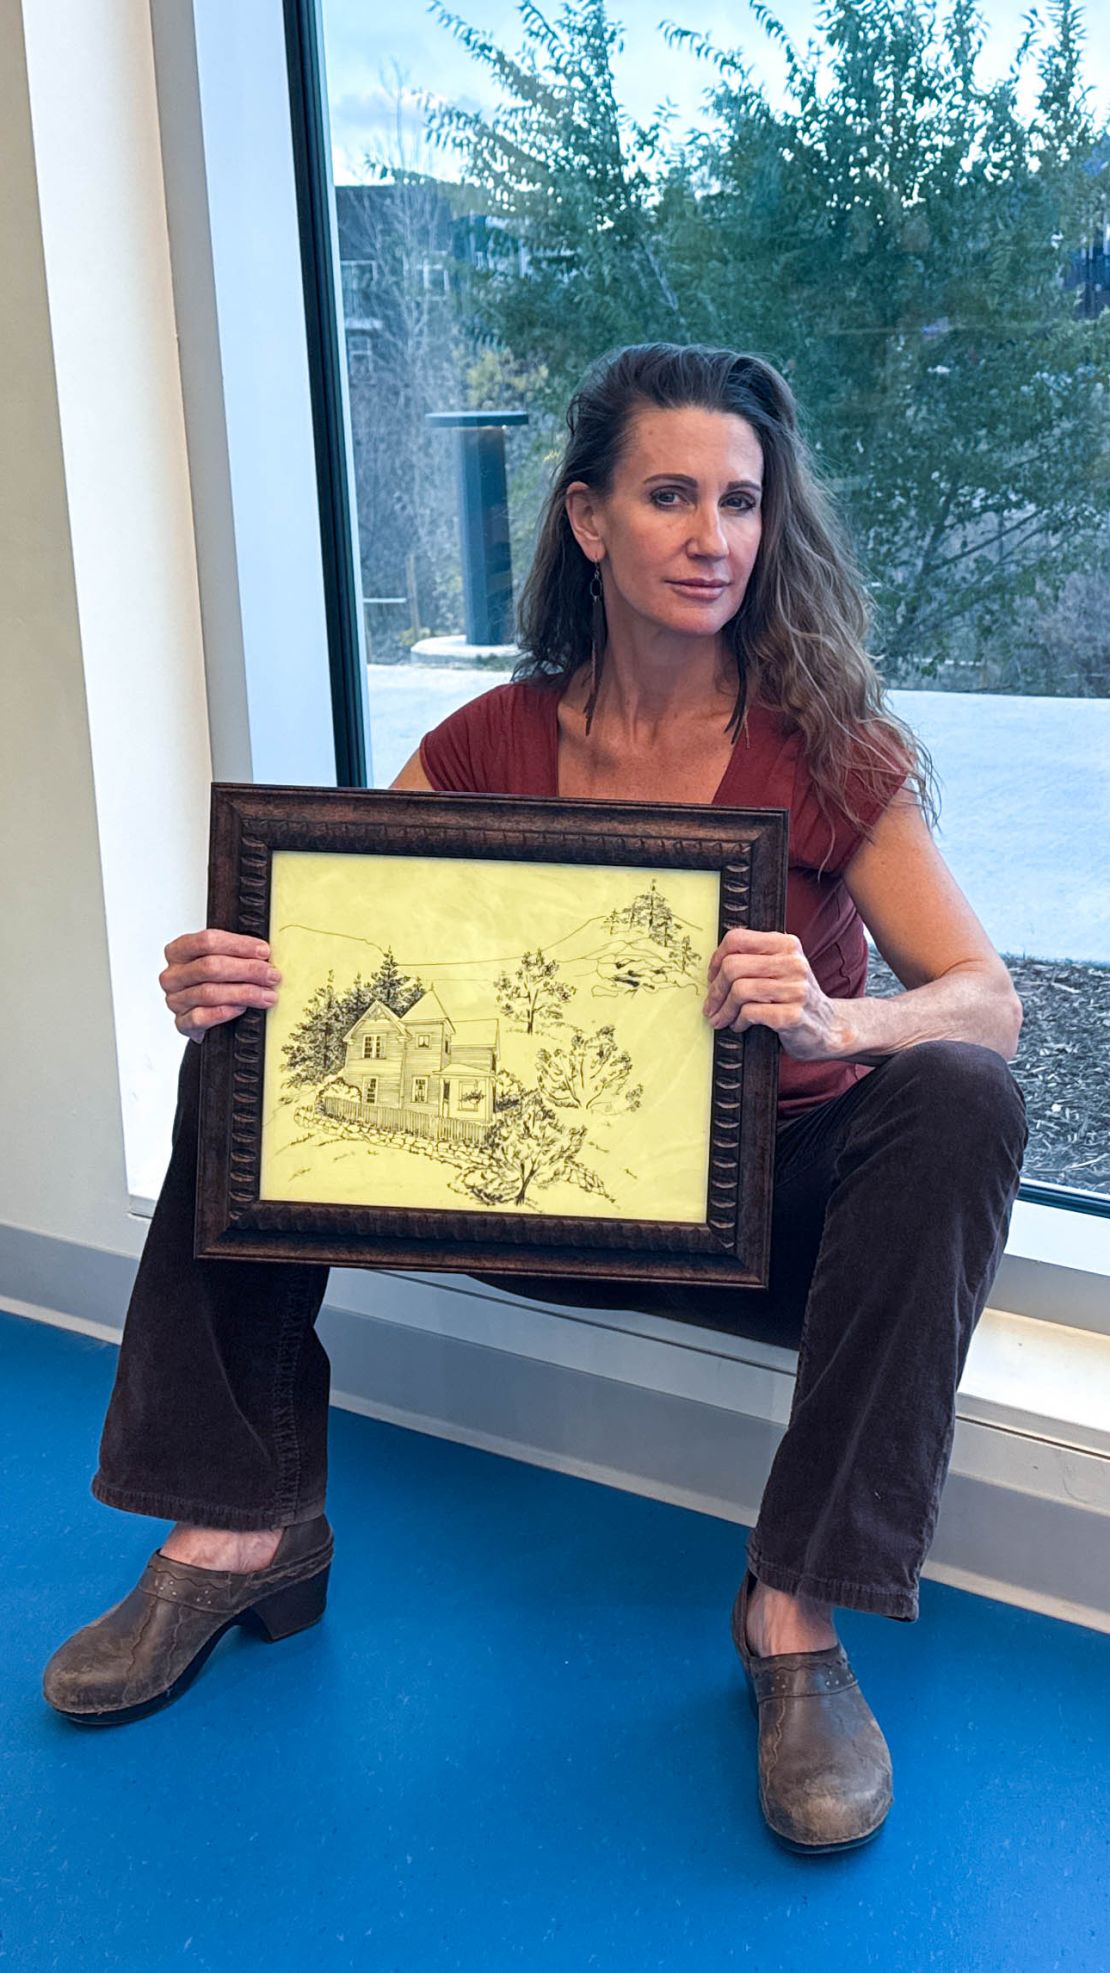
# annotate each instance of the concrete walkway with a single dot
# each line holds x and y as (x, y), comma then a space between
(1024, 784)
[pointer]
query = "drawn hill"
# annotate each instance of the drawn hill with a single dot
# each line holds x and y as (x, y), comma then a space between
(644, 946)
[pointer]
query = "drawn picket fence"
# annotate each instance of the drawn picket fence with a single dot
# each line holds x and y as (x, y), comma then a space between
(333, 1104)
(416, 1123)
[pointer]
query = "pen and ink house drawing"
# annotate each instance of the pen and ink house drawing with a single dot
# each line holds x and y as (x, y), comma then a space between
(497, 1080)
(419, 1071)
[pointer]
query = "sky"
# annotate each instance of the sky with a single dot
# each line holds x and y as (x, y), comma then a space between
(379, 59)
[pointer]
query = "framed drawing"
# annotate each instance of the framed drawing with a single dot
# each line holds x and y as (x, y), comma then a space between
(488, 1050)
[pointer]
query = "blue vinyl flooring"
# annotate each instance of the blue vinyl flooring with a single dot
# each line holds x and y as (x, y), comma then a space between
(518, 1738)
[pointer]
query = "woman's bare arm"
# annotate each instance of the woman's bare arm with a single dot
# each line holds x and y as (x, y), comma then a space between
(957, 986)
(412, 778)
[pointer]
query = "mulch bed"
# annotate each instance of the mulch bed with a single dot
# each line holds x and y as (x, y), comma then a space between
(1061, 1065)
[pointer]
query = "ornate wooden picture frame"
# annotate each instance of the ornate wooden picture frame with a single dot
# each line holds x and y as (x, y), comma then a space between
(488, 1052)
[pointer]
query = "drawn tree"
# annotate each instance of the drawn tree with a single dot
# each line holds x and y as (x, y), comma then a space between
(355, 1002)
(315, 1047)
(591, 1072)
(507, 1090)
(400, 991)
(528, 1148)
(533, 995)
(649, 913)
(652, 914)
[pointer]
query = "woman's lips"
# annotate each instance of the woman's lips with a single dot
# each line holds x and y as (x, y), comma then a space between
(699, 588)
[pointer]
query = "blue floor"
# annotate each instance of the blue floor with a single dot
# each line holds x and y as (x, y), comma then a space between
(519, 1738)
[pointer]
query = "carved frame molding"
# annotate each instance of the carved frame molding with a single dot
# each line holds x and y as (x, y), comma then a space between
(748, 849)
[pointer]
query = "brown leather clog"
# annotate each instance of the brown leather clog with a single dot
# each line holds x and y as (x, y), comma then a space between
(144, 1651)
(824, 1767)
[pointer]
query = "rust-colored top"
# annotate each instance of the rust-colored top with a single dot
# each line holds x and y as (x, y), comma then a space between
(506, 742)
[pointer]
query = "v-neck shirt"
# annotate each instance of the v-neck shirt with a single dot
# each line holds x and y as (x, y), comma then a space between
(506, 742)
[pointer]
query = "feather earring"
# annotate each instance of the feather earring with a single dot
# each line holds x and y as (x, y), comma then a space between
(597, 639)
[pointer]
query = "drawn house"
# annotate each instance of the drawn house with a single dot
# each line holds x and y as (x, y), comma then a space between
(410, 1069)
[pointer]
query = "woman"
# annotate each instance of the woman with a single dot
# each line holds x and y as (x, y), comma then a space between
(693, 630)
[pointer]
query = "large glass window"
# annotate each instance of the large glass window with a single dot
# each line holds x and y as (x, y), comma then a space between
(908, 213)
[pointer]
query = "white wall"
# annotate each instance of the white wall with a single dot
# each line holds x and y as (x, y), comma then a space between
(61, 1149)
(161, 595)
(101, 622)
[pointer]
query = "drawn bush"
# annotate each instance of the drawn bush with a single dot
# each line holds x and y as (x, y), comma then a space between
(589, 1073)
(508, 1090)
(527, 1149)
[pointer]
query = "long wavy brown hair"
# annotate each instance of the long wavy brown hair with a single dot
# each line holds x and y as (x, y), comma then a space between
(801, 633)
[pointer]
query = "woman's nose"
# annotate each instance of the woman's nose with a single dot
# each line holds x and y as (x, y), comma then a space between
(709, 536)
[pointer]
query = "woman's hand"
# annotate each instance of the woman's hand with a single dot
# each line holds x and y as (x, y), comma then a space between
(211, 976)
(763, 979)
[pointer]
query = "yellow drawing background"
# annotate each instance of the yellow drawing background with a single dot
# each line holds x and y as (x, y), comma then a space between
(450, 923)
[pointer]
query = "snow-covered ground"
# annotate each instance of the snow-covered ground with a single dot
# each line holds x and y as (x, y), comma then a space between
(1024, 783)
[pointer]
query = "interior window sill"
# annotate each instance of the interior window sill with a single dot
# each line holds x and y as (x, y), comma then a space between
(1060, 1237)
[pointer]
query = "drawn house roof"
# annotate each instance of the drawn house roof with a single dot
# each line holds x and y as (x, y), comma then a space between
(375, 1014)
(477, 1034)
(428, 1008)
(468, 1038)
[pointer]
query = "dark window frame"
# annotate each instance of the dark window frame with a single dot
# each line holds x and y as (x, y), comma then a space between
(304, 36)
(325, 339)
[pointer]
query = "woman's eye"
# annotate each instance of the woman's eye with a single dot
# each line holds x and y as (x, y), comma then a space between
(666, 496)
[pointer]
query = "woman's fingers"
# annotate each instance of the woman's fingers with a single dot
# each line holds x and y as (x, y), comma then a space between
(218, 969)
(767, 967)
(195, 1025)
(748, 994)
(755, 951)
(211, 976)
(200, 945)
(215, 955)
(221, 993)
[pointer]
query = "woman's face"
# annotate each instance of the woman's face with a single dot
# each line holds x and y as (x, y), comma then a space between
(682, 523)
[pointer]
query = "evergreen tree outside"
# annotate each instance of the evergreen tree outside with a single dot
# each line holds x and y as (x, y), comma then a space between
(899, 239)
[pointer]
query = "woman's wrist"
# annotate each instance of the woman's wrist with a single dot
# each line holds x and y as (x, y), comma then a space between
(965, 1005)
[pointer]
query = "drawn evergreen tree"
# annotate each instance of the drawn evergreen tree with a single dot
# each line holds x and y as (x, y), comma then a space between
(315, 1047)
(354, 1002)
(528, 1148)
(649, 912)
(400, 991)
(590, 1072)
(533, 995)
